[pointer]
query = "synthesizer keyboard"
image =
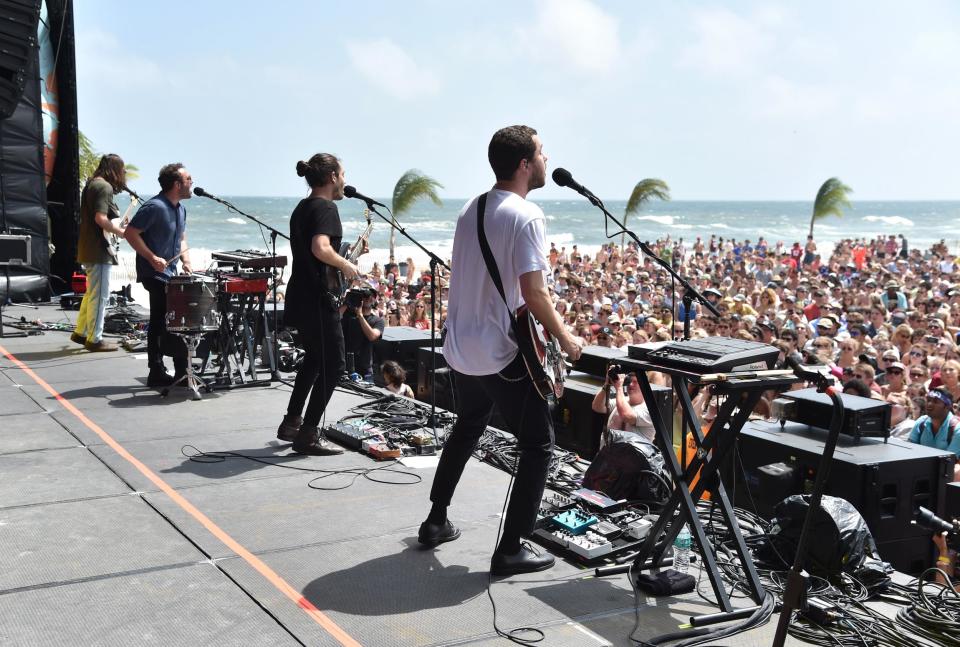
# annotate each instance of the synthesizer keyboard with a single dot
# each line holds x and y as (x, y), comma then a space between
(248, 259)
(709, 355)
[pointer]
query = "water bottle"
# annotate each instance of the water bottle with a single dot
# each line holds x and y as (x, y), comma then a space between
(681, 550)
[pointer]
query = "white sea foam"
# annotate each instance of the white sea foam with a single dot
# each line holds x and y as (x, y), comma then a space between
(237, 221)
(893, 221)
(663, 220)
(719, 225)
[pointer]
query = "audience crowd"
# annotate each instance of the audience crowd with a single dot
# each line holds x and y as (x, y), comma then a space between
(885, 318)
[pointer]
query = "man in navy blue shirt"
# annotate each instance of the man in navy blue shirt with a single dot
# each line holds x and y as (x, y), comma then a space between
(158, 234)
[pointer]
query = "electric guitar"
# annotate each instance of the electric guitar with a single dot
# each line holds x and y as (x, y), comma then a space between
(339, 285)
(542, 355)
(113, 240)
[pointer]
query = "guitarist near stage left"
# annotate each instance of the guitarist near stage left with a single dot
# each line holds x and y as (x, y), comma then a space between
(98, 216)
(311, 306)
(482, 349)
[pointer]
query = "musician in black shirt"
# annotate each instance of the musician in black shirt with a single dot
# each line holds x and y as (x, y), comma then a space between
(309, 306)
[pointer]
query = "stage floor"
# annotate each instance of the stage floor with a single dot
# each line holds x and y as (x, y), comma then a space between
(111, 536)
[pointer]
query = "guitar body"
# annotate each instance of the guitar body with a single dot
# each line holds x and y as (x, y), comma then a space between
(339, 285)
(541, 354)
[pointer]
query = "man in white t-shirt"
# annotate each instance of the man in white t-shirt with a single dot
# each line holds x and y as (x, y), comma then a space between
(628, 411)
(480, 348)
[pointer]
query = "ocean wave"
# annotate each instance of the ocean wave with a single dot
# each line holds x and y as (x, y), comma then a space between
(237, 221)
(719, 225)
(890, 220)
(663, 220)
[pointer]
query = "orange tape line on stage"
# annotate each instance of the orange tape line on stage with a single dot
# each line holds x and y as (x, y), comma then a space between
(268, 573)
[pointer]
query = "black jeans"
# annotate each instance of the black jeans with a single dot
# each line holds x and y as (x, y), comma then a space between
(527, 417)
(322, 366)
(158, 339)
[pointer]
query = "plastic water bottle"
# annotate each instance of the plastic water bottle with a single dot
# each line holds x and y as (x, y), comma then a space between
(681, 550)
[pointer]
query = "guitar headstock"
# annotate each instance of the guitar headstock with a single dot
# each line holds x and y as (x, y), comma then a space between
(367, 216)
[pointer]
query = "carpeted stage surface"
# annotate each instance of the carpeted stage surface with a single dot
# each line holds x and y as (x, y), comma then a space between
(93, 551)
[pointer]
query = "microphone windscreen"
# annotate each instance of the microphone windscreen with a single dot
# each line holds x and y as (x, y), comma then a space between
(793, 360)
(349, 191)
(199, 191)
(562, 176)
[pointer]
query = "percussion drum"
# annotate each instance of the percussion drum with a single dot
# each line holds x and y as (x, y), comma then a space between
(192, 304)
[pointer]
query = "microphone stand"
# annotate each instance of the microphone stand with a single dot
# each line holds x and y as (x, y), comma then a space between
(272, 338)
(690, 293)
(434, 262)
(795, 592)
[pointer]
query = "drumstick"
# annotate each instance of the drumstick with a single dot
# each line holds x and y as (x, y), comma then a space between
(182, 252)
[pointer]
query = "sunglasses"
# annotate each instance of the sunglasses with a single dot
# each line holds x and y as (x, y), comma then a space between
(894, 371)
(916, 353)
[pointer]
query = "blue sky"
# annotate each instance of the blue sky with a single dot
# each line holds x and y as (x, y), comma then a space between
(723, 100)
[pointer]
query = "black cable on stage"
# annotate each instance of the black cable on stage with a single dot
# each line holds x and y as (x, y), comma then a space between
(366, 472)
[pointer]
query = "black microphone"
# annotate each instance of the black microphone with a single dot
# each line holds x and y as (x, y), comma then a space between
(200, 192)
(563, 178)
(351, 192)
(132, 193)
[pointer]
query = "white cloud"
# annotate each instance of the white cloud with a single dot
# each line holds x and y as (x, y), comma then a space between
(726, 43)
(387, 66)
(574, 34)
(782, 98)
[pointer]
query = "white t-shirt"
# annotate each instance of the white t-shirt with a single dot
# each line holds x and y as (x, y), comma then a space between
(643, 425)
(479, 339)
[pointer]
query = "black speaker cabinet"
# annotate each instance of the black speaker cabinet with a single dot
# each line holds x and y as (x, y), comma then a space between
(18, 42)
(885, 482)
(594, 359)
(424, 366)
(399, 343)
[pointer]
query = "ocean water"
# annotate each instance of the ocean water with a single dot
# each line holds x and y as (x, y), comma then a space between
(212, 227)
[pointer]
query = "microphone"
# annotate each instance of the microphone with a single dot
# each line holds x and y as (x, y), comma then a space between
(352, 192)
(132, 194)
(563, 178)
(200, 192)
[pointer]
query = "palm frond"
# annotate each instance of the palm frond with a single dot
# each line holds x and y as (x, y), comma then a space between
(831, 200)
(412, 186)
(644, 191)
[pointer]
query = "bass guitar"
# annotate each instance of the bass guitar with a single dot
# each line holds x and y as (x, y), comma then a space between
(350, 252)
(541, 354)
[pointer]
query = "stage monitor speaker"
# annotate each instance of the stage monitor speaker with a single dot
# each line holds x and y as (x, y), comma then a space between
(424, 366)
(594, 360)
(14, 250)
(18, 42)
(399, 343)
(885, 482)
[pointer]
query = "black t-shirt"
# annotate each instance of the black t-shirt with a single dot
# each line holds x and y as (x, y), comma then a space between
(309, 281)
(354, 341)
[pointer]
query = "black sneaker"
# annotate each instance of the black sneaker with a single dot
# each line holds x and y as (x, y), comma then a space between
(526, 560)
(289, 428)
(310, 442)
(432, 534)
(159, 378)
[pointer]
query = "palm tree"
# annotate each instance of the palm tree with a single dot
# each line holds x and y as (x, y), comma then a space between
(90, 159)
(644, 191)
(831, 200)
(412, 186)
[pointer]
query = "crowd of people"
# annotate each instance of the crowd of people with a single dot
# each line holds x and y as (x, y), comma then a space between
(883, 317)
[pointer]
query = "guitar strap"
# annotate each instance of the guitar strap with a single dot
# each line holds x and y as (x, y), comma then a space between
(529, 355)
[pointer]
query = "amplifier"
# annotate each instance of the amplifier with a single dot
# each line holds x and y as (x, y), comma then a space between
(14, 250)
(861, 416)
(885, 481)
(594, 359)
(424, 366)
(399, 343)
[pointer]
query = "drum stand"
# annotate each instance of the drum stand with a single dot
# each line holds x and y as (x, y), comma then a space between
(193, 381)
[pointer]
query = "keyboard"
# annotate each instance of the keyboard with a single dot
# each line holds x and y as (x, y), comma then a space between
(709, 355)
(248, 259)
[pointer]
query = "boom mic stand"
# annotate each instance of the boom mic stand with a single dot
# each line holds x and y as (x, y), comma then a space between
(434, 262)
(272, 338)
(795, 592)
